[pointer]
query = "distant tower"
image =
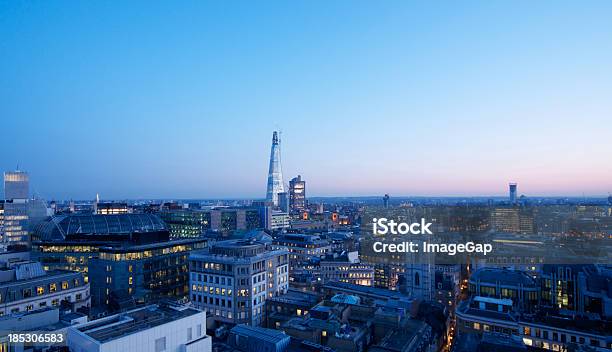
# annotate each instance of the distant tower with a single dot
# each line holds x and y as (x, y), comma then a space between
(386, 200)
(95, 203)
(16, 195)
(275, 172)
(16, 185)
(297, 194)
(513, 193)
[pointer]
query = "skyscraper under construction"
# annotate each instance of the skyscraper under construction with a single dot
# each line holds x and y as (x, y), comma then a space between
(275, 172)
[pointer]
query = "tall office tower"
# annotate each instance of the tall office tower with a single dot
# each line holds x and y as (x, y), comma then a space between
(16, 185)
(16, 193)
(283, 202)
(513, 193)
(297, 194)
(275, 172)
(386, 201)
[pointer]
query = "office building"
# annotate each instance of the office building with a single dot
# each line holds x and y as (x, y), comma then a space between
(275, 172)
(124, 257)
(16, 185)
(297, 195)
(232, 279)
(16, 194)
(283, 202)
(25, 287)
(513, 306)
(16, 223)
(279, 220)
(338, 266)
(512, 219)
(154, 328)
(512, 193)
(110, 208)
(186, 223)
(127, 274)
(303, 247)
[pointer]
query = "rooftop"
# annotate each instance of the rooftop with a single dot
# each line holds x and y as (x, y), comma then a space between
(503, 277)
(365, 290)
(268, 335)
(134, 321)
(58, 227)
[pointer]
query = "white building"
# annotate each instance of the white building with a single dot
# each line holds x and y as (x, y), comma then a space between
(155, 328)
(279, 220)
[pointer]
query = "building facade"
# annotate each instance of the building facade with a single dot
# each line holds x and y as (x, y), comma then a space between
(232, 279)
(275, 172)
(25, 287)
(297, 195)
(154, 328)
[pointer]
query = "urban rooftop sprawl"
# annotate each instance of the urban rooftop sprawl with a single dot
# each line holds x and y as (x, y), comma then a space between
(297, 273)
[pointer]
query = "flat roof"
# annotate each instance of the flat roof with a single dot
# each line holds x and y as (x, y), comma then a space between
(269, 335)
(134, 321)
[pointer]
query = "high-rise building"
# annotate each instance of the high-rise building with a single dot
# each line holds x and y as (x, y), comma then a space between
(283, 202)
(513, 197)
(275, 172)
(16, 185)
(386, 201)
(16, 194)
(297, 194)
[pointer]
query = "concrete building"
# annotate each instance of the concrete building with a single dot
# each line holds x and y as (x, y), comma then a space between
(279, 220)
(16, 195)
(25, 287)
(16, 185)
(302, 247)
(48, 320)
(154, 328)
(338, 266)
(232, 279)
(512, 219)
(512, 305)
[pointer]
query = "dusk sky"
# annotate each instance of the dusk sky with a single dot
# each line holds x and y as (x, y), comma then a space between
(156, 100)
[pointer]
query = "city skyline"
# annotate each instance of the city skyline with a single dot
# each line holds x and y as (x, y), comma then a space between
(405, 99)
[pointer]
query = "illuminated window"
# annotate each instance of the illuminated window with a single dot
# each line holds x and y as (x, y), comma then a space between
(40, 290)
(64, 285)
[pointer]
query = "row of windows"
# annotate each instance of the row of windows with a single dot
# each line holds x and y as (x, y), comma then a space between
(560, 337)
(219, 280)
(212, 290)
(41, 290)
(54, 302)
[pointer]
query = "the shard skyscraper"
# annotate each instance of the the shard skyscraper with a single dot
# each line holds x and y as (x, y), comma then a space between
(275, 172)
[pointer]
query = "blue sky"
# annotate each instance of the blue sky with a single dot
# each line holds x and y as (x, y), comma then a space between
(153, 99)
